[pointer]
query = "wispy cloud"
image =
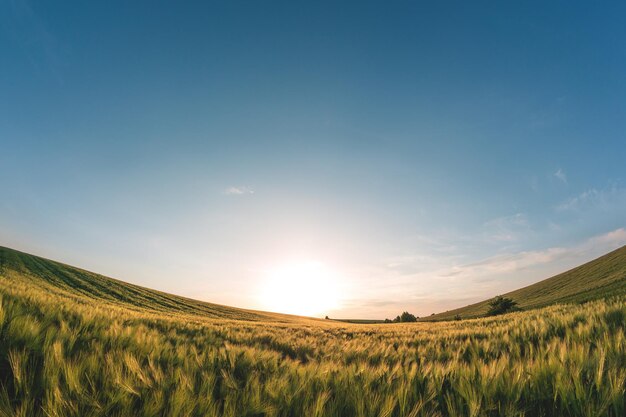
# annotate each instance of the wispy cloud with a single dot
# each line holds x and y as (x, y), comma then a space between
(497, 266)
(560, 174)
(595, 198)
(506, 228)
(424, 284)
(238, 191)
(493, 267)
(616, 238)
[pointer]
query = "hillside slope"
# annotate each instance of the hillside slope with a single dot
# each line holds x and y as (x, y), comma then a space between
(602, 277)
(22, 270)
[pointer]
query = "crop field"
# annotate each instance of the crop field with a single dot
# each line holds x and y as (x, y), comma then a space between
(64, 355)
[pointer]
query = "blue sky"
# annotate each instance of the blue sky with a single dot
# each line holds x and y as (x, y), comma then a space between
(429, 154)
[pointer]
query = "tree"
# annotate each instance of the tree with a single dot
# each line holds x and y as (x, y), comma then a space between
(501, 305)
(405, 317)
(457, 317)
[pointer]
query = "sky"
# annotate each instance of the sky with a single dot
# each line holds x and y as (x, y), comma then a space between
(422, 155)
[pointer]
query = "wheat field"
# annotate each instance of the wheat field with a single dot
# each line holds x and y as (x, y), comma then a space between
(62, 356)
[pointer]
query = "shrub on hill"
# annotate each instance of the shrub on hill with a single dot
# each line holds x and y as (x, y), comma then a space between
(502, 305)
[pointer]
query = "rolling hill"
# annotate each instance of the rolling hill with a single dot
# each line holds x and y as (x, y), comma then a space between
(602, 277)
(68, 282)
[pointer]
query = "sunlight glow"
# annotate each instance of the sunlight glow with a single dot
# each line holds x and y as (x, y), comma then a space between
(305, 288)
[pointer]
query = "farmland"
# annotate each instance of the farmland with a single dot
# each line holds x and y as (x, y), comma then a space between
(74, 343)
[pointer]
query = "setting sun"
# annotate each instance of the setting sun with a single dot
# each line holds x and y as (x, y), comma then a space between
(304, 288)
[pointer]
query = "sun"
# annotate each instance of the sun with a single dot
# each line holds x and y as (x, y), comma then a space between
(304, 288)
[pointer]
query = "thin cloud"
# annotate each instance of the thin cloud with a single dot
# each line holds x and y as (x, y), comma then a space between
(506, 228)
(560, 174)
(508, 263)
(615, 238)
(595, 198)
(425, 284)
(238, 191)
(591, 196)
(494, 267)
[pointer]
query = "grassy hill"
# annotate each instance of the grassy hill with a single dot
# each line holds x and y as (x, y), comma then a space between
(602, 277)
(68, 282)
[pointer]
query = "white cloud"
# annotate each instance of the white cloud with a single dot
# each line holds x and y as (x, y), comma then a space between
(615, 238)
(590, 196)
(506, 228)
(238, 191)
(497, 266)
(506, 263)
(595, 198)
(427, 282)
(560, 174)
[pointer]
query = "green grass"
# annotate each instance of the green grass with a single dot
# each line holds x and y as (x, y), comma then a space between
(79, 285)
(66, 352)
(604, 276)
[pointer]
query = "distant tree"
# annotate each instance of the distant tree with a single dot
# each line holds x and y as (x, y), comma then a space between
(327, 318)
(457, 317)
(501, 305)
(405, 317)
(388, 321)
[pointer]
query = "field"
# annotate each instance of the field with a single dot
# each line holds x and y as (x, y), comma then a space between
(73, 343)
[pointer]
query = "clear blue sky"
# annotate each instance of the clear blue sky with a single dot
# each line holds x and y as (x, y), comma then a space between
(431, 153)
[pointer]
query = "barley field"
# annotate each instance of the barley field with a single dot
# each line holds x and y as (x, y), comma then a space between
(67, 356)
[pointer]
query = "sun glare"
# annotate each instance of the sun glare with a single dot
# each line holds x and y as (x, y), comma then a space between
(304, 288)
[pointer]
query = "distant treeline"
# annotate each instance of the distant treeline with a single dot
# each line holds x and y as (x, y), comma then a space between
(405, 317)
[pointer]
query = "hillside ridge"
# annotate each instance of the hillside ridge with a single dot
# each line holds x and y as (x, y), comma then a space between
(59, 279)
(599, 278)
